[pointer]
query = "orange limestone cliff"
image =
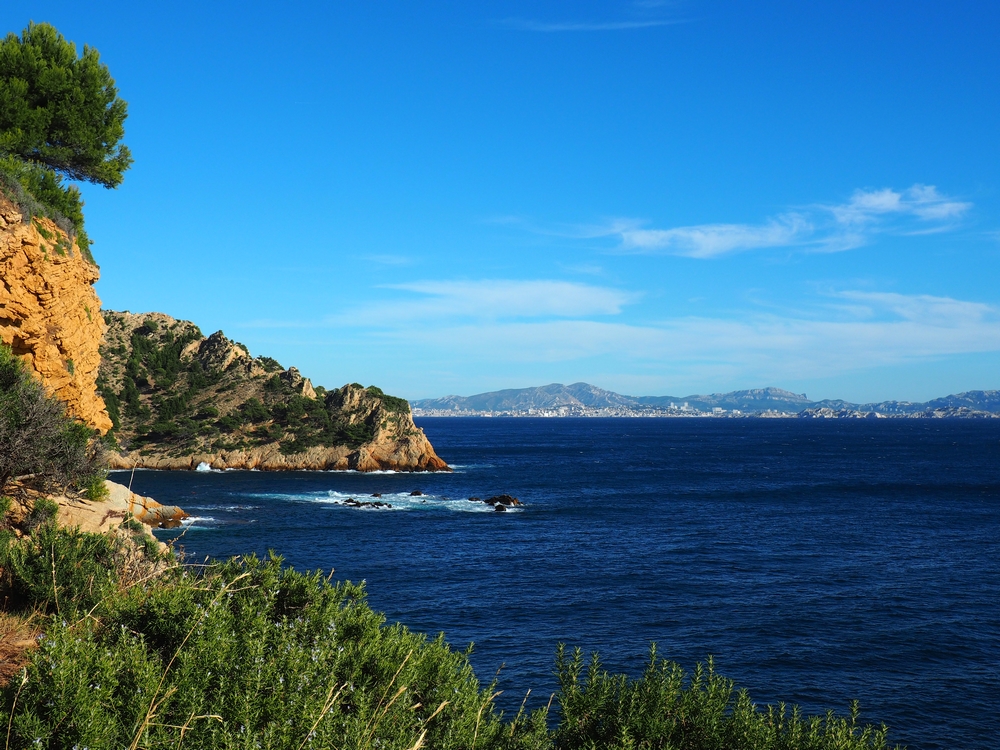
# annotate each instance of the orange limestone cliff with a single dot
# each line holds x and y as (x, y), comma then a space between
(49, 312)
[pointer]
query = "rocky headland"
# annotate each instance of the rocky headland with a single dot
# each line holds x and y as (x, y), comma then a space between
(179, 399)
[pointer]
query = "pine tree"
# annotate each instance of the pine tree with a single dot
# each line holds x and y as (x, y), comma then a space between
(61, 110)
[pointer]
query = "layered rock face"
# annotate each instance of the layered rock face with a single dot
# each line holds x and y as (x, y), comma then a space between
(49, 312)
(180, 399)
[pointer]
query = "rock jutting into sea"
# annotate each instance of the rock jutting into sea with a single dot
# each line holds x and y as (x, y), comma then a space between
(180, 399)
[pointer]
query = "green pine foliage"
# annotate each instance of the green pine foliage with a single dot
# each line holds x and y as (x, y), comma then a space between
(59, 109)
(60, 117)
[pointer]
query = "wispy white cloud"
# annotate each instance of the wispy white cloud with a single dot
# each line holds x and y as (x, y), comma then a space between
(711, 240)
(920, 201)
(921, 308)
(490, 299)
(504, 298)
(883, 329)
(919, 209)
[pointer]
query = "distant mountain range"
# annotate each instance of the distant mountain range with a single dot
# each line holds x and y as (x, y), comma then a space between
(583, 397)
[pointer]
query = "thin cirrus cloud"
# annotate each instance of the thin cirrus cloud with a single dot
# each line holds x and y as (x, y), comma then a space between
(922, 308)
(712, 240)
(496, 299)
(819, 228)
(875, 329)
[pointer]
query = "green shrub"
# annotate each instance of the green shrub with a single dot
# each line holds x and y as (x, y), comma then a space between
(38, 191)
(36, 435)
(395, 405)
(251, 654)
(667, 710)
(94, 488)
(57, 571)
(43, 510)
(270, 364)
(252, 410)
(275, 384)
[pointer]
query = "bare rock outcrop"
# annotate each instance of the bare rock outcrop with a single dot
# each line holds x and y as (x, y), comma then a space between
(98, 516)
(50, 314)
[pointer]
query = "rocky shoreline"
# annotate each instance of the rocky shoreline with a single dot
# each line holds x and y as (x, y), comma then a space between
(409, 454)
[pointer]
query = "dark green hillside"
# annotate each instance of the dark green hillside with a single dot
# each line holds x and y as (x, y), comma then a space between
(171, 391)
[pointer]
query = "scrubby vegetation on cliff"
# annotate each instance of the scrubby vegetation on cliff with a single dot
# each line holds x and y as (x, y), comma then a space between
(169, 390)
(248, 653)
(38, 440)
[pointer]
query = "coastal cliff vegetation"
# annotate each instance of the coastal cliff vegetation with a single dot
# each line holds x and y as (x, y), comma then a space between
(39, 442)
(176, 397)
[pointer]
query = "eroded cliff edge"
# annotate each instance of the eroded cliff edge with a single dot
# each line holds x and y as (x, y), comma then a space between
(180, 399)
(50, 314)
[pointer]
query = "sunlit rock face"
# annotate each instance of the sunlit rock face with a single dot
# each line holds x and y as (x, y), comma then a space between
(50, 314)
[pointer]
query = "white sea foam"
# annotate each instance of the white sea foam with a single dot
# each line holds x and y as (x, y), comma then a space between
(198, 522)
(399, 501)
(222, 507)
(355, 471)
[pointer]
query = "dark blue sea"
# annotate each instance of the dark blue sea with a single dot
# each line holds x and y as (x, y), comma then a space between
(817, 561)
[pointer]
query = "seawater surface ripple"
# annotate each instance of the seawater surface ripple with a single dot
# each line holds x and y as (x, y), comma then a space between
(817, 561)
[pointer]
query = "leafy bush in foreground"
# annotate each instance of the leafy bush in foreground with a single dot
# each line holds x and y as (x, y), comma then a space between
(665, 710)
(248, 654)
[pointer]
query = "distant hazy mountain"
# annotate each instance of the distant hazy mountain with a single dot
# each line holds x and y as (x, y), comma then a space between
(755, 399)
(521, 399)
(553, 396)
(983, 400)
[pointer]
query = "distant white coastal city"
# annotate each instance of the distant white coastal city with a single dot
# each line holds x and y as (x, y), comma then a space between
(585, 400)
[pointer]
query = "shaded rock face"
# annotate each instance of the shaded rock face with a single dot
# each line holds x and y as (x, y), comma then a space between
(50, 314)
(181, 399)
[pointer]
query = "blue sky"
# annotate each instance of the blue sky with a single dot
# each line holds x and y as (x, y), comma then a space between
(654, 197)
